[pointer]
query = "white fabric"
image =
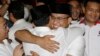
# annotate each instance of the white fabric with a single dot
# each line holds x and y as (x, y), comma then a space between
(76, 48)
(75, 41)
(42, 31)
(26, 12)
(74, 22)
(92, 39)
(5, 49)
(6, 16)
(66, 37)
(18, 25)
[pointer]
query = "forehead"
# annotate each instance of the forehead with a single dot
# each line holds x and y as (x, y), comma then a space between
(93, 5)
(59, 15)
(74, 3)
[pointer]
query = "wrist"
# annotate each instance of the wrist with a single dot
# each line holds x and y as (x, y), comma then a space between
(38, 40)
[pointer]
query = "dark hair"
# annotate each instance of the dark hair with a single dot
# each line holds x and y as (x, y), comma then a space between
(17, 9)
(86, 2)
(62, 9)
(47, 2)
(40, 15)
(0, 2)
(73, 0)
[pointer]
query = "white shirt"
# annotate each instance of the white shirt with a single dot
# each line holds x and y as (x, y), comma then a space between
(42, 31)
(26, 12)
(18, 25)
(75, 41)
(5, 49)
(66, 40)
(92, 39)
(75, 22)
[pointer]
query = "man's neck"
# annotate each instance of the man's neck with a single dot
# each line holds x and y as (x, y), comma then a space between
(89, 23)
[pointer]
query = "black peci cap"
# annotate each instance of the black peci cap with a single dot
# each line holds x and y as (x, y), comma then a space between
(61, 8)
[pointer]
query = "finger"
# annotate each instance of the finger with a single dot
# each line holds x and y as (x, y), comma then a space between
(49, 36)
(53, 48)
(68, 55)
(34, 53)
(50, 50)
(55, 42)
(19, 46)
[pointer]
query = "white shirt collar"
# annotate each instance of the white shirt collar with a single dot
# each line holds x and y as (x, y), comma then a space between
(42, 29)
(19, 21)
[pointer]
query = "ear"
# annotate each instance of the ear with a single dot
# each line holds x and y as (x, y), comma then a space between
(11, 15)
(69, 20)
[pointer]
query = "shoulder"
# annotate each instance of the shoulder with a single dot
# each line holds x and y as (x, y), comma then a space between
(2, 48)
(76, 30)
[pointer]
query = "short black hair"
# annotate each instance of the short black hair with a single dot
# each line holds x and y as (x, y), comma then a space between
(86, 2)
(17, 9)
(40, 15)
(61, 8)
(0, 2)
(47, 2)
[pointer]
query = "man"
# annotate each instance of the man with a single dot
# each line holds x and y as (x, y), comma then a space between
(16, 15)
(5, 47)
(76, 11)
(91, 24)
(59, 18)
(40, 16)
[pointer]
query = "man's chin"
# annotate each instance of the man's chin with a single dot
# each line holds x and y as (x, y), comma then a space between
(55, 27)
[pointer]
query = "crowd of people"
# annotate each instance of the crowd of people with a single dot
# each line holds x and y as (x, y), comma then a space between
(58, 29)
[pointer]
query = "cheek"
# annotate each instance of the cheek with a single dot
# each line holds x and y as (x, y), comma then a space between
(88, 13)
(98, 14)
(64, 23)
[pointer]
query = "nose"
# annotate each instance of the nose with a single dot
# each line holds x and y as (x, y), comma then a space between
(56, 21)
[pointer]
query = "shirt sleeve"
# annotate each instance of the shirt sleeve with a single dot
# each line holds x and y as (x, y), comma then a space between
(76, 48)
(3, 51)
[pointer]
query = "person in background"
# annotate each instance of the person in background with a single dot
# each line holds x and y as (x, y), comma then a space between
(16, 15)
(76, 11)
(5, 47)
(4, 6)
(91, 24)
